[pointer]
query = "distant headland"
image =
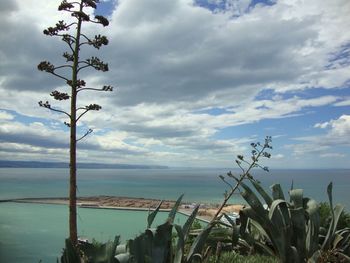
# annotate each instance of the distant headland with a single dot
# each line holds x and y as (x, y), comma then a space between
(36, 164)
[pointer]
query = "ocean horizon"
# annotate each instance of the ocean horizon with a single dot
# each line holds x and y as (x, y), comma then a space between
(198, 185)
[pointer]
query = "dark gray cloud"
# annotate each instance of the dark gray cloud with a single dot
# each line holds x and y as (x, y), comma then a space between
(7, 7)
(158, 132)
(35, 136)
(179, 54)
(192, 60)
(23, 47)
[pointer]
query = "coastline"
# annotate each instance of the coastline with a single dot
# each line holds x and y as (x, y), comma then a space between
(205, 213)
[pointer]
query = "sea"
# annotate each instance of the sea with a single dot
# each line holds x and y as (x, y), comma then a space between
(36, 232)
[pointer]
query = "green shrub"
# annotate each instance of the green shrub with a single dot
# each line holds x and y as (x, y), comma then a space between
(326, 217)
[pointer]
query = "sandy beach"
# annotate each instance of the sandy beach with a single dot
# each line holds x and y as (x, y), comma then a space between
(205, 213)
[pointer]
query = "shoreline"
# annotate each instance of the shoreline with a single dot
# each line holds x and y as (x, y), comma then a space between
(205, 212)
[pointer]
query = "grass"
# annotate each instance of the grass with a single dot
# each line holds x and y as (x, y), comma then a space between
(230, 257)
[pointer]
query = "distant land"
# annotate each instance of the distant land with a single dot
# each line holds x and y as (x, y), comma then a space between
(34, 164)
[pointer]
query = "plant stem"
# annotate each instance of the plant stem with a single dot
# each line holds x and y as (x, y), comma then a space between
(73, 232)
(243, 176)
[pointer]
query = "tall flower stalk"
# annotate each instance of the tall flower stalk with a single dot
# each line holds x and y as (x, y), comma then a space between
(71, 34)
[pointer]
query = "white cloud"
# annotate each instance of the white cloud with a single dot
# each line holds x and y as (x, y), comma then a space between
(6, 116)
(332, 155)
(339, 127)
(322, 125)
(336, 137)
(343, 103)
(278, 156)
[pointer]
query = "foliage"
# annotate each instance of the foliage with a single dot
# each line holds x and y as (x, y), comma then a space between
(71, 34)
(290, 230)
(326, 217)
(283, 231)
(70, 254)
(196, 225)
(94, 252)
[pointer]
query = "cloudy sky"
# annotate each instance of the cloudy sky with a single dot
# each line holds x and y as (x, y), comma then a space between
(196, 81)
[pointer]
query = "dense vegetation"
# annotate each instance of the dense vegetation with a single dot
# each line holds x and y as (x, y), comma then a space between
(272, 229)
(326, 217)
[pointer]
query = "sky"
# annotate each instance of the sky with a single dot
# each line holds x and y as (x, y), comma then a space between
(195, 82)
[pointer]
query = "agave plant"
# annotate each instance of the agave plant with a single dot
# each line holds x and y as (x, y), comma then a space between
(155, 244)
(290, 230)
(335, 245)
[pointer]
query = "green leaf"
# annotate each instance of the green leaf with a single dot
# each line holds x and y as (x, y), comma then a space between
(262, 192)
(199, 242)
(338, 209)
(315, 257)
(277, 192)
(123, 258)
(101, 253)
(244, 216)
(121, 249)
(330, 196)
(294, 255)
(111, 250)
(140, 248)
(336, 240)
(260, 229)
(162, 243)
(313, 226)
(187, 226)
(299, 229)
(173, 211)
(70, 254)
(180, 245)
(272, 231)
(296, 197)
(279, 216)
(345, 242)
(343, 257)
(152, 215)
(265, 248)
(253, 200)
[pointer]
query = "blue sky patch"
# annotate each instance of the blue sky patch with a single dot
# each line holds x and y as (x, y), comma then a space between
(226, 5)
(106, 8)
(214, 111)
(253, 3)
(340, 58)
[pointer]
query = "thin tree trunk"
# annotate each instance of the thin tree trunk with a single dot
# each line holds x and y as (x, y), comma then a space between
(73, 233)
(73, 229)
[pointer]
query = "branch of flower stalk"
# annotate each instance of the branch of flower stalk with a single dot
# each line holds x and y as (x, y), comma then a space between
(86, 134)
(233, 189)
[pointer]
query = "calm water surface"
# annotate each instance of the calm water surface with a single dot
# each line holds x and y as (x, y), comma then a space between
(29, 232)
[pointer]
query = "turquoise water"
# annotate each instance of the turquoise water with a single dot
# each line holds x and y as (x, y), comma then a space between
(29, 232)
(198, 185)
